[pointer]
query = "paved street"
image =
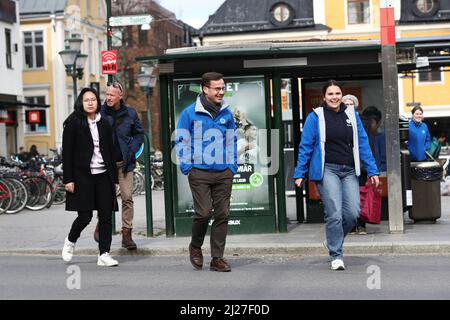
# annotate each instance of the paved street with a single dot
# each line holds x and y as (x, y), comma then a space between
(276, 266)
(252, 278)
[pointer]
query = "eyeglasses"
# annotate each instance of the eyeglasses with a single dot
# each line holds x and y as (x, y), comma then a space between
(218, 89)
(92, 100)
(116, 85)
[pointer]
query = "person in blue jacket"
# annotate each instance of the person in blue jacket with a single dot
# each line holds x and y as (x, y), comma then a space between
(207, 151)
(333, 145)
(419, 137)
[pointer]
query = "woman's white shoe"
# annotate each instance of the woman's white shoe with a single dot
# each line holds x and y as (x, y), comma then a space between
(67, 251)
(105, 260)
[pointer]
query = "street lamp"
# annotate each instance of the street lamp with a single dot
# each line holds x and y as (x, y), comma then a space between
(147, 82)
(74, 61)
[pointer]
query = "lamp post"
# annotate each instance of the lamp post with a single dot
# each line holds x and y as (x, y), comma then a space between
(147, 83)
(74, 61)
(108, 32)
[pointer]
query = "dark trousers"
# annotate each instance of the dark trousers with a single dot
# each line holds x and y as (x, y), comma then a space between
(210, 190)
(104, 200)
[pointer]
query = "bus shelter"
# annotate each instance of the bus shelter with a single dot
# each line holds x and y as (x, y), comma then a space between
(272, 87)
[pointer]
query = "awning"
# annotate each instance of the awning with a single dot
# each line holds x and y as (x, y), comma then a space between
(9, 104)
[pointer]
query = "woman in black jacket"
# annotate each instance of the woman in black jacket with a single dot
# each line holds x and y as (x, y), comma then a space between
(89, 173)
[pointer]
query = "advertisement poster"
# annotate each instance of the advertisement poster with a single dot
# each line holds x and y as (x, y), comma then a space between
(246, 99)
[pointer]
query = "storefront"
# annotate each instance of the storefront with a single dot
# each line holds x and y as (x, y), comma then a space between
(12, 117)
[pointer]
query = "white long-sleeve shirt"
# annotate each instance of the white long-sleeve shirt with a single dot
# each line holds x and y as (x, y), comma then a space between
(97, 163)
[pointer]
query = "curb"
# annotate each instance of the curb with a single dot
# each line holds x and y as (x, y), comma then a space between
(261, 250)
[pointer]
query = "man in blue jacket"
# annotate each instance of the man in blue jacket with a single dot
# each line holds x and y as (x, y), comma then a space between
(128, 136)
(206, 146)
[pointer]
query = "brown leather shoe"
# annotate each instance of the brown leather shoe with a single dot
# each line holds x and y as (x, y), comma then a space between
(127, 240)
(96, 233)
(196, 257)
(219, 264)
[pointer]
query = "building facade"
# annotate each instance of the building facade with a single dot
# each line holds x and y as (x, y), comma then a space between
(11, 77)
(424, 21)
(44, 27)
(165, 32)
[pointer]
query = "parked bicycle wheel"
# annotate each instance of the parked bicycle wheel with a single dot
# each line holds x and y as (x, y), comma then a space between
(138, 183)
(39, 193)
(59, 191)
(5, 196)
(20, 195)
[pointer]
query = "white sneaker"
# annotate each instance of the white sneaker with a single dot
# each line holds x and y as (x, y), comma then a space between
(105, 260)
(67, 251)
(337, 264)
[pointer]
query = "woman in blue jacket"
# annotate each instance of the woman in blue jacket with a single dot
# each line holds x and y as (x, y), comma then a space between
(419, 137)
(333, 144)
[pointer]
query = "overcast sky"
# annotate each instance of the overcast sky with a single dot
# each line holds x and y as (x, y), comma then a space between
(193, 12)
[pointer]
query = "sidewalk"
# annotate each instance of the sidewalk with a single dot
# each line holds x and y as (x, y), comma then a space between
(43, 232)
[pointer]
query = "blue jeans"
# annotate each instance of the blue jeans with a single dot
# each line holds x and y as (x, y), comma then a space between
(339, 191)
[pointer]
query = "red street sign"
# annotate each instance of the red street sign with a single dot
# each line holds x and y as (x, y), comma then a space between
(387, 23)
(109, 62)
(34, 117)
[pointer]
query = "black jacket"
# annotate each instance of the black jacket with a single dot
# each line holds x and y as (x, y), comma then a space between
(78, 148)
(128, 130)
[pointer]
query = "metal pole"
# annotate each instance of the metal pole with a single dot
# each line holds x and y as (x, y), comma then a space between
(281, 189)
(297, 138)
(108, 32)
(167, 149)
(110, 77)
(149, 117)
(148, 187)
(74, 78)
(390, 90)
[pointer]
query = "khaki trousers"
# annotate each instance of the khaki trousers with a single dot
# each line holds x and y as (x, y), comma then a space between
(126, 194)
(210, 190)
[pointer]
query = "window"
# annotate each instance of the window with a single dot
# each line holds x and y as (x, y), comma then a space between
(168, 39)
(131, 78)
(40, 127)
(98, 56)
(358, 11)
(425, 8)
(88, 8)
(281, 14)
(91, 56)
(8, 48)
(143, 37)
(129, 38)
(34, 49)
(430, 75)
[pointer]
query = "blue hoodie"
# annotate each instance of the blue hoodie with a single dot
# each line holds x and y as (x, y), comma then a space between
(312, 146)
(204, 142)
(419, 140)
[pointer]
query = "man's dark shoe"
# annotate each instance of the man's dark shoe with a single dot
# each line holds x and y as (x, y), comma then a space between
(96, 233)
(127, 240)
(196, 257)
(219, 264)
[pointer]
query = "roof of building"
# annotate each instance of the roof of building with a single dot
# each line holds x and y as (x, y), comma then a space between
(39, 8)
(266, 48)
(256, 15)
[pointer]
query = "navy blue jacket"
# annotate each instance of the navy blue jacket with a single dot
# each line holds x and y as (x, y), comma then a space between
(128, 132)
